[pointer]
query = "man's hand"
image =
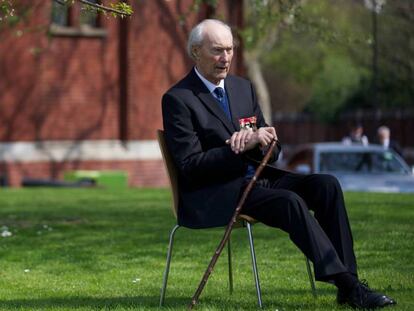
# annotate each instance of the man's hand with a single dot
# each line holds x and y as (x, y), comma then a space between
(246, 139)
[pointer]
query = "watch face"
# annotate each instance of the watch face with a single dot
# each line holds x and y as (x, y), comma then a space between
(248, 123)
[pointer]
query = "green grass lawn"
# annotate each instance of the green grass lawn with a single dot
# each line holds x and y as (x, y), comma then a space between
(95, 249)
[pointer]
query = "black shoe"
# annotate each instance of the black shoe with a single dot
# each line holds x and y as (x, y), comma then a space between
(362, 297)
(341, 297)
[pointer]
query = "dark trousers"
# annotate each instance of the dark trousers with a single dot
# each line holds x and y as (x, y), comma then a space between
(324, 237)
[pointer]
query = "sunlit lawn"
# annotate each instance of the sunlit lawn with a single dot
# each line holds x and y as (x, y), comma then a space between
(83, 249)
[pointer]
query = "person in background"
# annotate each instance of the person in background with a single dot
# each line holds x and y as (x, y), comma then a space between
(356, 136)
(384, 139)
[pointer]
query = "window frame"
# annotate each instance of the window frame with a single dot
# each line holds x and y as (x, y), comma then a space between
(74, 27)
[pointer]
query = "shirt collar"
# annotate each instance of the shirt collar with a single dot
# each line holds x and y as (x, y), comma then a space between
(210, 86)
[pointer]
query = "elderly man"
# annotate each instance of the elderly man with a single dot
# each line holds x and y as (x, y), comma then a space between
(384, 139)
(217, 134)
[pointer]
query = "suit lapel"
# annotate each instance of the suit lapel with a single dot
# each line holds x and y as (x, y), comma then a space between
(201, 91)
(234, 108)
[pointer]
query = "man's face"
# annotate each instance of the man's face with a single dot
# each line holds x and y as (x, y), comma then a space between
(383, 135)
(357, 132)
(213, 57)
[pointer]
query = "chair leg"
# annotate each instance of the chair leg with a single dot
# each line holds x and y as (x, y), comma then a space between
(311, 280)
(230, 267)
(167, 267)
(254, 265)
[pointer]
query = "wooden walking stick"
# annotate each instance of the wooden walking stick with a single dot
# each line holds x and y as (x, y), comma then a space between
(233, 220)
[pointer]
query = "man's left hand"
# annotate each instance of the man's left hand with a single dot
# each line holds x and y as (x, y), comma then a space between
(246, 139)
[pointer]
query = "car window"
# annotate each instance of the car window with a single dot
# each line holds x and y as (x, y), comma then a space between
(365, 162)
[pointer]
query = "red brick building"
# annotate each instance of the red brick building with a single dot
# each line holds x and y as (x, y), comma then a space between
(83, 92)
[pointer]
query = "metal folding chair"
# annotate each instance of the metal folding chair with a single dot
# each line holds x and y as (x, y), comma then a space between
(243, 221)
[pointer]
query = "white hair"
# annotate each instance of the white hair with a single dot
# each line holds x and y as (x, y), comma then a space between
(196, 36)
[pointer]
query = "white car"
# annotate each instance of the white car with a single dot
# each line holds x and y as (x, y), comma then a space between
(358, 168)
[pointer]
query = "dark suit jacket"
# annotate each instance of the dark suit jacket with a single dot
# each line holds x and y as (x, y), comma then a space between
(211, 175)
(396, 147)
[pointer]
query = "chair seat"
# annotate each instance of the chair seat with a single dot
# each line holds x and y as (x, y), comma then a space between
(242, 219)
(247, 218)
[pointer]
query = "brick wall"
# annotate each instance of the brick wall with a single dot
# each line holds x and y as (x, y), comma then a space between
(67, 87)
(59, 87)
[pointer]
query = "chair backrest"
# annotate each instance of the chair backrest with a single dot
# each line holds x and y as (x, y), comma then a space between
(170, 167)
(172, 173)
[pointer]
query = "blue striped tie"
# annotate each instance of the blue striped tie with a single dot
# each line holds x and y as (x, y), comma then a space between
(222, 99)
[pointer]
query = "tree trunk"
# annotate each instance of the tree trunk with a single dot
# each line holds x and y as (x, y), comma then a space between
(254, 71)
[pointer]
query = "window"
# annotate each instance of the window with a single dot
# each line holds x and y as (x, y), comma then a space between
(88, 16)
(77, 19)
(361, 162)
(60, 14)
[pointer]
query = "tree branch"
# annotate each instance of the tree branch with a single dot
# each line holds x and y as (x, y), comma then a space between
(105, 8)
(98, 6)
